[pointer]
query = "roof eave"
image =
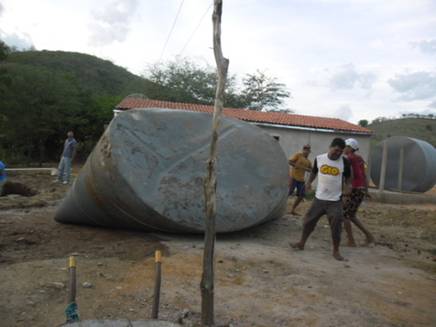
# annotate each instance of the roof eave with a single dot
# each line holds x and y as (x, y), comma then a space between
(312, 129)
(295, 127)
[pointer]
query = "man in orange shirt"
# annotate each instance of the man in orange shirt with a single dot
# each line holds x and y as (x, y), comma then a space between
(300, 165)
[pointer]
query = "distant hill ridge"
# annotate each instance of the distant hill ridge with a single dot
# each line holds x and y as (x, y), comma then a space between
(95, 75)
(420, 128)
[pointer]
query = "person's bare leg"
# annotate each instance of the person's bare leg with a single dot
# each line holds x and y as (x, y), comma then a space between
(368, 235)
(304, 236)
(349, 232)
(312, 217)
(295, 205)
(336, 240)
(335, 222)
(336, 254)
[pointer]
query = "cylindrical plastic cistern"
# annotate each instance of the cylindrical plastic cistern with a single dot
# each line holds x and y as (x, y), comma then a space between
(148, 168)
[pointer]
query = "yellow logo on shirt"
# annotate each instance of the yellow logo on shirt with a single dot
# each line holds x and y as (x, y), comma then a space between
(329, 170)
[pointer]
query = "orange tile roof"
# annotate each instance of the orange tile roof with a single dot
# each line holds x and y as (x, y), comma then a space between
(275, 118)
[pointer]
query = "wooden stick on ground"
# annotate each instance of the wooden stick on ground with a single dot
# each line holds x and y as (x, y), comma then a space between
(207, 280)
(71, 310)
(157, 283)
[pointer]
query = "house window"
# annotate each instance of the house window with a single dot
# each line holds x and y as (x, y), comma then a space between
(277, 138)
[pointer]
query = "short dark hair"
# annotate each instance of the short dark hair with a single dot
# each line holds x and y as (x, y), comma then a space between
(338, 142)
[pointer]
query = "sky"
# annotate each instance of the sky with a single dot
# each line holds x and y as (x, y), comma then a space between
(350, 59)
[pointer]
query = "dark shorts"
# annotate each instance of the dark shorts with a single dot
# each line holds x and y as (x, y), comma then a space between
(352, 202)
(334, 212)
(301, 190)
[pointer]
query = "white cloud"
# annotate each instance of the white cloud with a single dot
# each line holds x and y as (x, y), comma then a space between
(294, 40)
(432, 104)
(347, 77)
(112, 23)
(414, 86)
(426, 46)
(20, 41)
(344, 112)
(15, 38)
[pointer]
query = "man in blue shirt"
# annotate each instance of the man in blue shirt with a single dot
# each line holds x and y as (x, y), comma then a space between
(64, 169)
(2, 176)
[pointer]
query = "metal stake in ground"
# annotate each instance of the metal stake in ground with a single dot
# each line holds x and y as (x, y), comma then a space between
(207, 280)
(157, 283)
(71, 309)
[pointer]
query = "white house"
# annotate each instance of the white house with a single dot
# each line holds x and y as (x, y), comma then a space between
(290, 130)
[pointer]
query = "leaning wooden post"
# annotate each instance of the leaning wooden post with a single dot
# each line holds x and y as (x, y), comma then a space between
(207, 279)
(71, 309)
(384, 164)
(157, 284)
(401, 170)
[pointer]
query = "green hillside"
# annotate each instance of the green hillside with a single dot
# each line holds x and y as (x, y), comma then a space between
(43, 94)
(92, 73)
(420, 128)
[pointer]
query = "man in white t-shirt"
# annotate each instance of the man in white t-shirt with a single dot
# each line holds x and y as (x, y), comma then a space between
(333, 171)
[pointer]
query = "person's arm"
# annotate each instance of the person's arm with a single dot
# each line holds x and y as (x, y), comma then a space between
(347, 177)
(309, 169)
(313, 174)
(74, 151)
(293, 162)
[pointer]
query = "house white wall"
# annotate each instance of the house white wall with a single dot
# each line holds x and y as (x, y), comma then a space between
(292, 140)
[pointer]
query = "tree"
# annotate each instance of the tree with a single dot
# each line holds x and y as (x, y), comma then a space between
(363, 122)
(38, 106)
(4, 50)
(379, 120)
(262, 92)
(188, 81)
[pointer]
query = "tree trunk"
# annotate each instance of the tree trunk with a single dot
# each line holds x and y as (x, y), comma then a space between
(207, 280)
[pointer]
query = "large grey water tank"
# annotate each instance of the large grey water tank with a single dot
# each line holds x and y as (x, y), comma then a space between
(419, 171)
(147, 173)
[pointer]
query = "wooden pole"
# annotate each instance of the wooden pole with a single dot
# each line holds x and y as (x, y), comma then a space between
(71, 309)
(157, 283)
(401, 170)
(72, 279)
(207, 279)
(384, 164)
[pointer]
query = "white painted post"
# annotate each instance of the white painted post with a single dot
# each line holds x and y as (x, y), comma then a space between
(401, 170)
(384, 164)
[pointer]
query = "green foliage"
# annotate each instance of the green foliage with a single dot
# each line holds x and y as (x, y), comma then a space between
(93, 74)
(191, 82)
(45, 94)
(38, 106)
(363, 122)
(263, 92)
(4, 50)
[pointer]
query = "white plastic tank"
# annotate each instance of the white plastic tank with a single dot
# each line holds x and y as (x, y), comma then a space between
(419, 169)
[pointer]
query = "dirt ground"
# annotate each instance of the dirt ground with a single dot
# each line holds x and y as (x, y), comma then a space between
(260, 280)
